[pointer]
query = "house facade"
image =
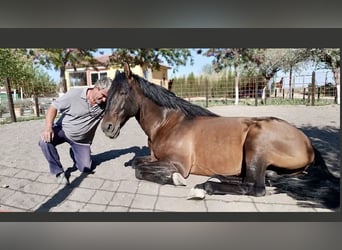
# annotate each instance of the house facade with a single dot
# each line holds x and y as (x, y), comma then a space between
(87, 76)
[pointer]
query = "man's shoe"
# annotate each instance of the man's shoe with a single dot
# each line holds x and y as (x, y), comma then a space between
(62, 180)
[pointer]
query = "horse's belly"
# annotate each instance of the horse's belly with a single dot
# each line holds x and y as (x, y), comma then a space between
(223, 169)
(218, 150)
(223, 160)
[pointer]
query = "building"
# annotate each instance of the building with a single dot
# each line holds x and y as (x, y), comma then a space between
(87, 76)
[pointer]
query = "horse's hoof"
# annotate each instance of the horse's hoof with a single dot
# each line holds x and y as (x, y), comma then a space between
(178, 179)
(196, 194)
(259, 191)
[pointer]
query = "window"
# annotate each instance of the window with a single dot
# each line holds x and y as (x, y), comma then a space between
(97, 75)
(78, 79)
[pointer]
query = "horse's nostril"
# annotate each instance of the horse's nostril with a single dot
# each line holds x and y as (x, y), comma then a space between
(109, 126)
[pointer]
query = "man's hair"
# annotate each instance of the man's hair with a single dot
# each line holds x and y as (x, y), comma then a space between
(103, 83)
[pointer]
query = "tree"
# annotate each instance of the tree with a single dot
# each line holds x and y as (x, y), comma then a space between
(292, 59)
(208, 69)
(59, 58)
(257, 62)
(150, 57)
(330, 58)
(42, 84)
(224, 57)
(12, 66)
(191, 85)
(178, 85)
(17, 71)
(12, 63)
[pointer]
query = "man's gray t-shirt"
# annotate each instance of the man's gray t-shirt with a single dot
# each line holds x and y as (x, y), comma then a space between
(79, 120)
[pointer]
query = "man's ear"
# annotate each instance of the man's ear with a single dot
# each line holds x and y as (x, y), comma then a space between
(127, 70)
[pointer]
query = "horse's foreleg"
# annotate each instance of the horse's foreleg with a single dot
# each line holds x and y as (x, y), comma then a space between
(160, 172)
(211, 187)
(227, 179)
(235, 185)
(140, 160)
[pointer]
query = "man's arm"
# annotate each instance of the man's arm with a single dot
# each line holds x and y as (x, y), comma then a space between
(47, 134)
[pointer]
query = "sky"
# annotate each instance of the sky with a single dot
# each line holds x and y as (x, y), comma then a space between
(197, 68)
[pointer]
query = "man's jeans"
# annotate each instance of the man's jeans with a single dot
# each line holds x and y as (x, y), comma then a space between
(81, 152)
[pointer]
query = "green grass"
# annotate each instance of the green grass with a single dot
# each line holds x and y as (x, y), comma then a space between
(270, 101)
(21, 119)
(320, 102)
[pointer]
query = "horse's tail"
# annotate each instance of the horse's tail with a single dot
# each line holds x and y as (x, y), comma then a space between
(319, 167)
(327, 184)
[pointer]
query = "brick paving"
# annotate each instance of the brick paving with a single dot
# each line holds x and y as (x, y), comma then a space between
(27, 186)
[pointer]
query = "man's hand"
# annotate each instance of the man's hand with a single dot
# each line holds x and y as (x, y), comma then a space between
(47, 134)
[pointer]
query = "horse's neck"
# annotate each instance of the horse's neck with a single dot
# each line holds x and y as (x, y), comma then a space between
(152, 117)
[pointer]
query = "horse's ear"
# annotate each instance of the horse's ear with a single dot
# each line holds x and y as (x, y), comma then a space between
(117, 73)
(127, 70)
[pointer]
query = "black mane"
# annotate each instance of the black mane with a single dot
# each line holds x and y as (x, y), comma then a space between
(165, 98)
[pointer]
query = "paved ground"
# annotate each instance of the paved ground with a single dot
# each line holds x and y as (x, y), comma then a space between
(27, 186)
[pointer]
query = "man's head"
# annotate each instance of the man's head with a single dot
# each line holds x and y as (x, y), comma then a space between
(98, 94)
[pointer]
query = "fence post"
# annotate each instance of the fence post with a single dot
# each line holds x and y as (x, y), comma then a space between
(319, 93)
(313, 80)
(236, 88)
(37, 105)
(181, 88)
(256, 92)
(206, 92)
(293, 86)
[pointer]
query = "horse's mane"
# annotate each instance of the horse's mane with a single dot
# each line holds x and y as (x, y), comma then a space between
(165, 98)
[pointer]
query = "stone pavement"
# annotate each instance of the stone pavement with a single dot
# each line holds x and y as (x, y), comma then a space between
(27, 186)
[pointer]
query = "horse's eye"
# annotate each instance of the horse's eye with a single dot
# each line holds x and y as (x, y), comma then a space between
(123, 92)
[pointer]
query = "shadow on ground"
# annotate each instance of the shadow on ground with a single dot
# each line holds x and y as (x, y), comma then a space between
(112, 154)
(320, 187)
(63, 193)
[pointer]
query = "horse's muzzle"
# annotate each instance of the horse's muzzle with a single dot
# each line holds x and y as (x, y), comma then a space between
(110, 130)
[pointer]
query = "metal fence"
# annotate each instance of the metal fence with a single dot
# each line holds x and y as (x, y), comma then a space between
(24, 108)
(302, 89)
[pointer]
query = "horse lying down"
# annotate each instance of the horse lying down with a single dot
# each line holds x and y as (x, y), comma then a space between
(184, 139)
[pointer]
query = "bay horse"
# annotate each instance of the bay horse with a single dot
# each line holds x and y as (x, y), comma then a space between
(185, 139)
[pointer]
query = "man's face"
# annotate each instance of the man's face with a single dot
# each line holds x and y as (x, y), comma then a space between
(99, 95)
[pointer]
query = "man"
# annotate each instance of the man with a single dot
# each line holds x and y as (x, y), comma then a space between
(81, 111)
